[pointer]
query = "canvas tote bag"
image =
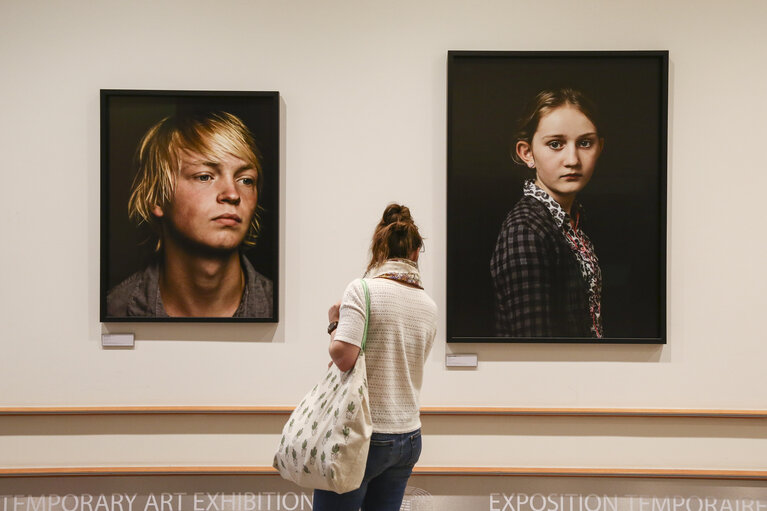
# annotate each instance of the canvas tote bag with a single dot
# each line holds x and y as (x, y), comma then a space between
(325, 442)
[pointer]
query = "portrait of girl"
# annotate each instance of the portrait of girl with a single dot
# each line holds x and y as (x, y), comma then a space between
(545, 270)
(556, 196)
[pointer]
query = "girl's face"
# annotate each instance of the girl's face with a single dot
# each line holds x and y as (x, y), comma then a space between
(563, 152)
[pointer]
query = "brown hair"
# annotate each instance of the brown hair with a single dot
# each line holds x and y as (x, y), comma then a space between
(543, 103)
(396, 236)
(159, 160)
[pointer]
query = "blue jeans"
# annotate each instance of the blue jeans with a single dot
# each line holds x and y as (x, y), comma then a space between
(390, 461)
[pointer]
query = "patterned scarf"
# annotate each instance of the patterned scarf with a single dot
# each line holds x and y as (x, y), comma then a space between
(402, 270)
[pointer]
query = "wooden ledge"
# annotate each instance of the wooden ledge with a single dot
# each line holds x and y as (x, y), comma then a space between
(428, 410)
(596, 412)
(146, 410)
(635, 473)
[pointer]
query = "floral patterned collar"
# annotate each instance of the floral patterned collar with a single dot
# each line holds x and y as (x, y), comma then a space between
(582, 248)
(530, 189)
(402, 270)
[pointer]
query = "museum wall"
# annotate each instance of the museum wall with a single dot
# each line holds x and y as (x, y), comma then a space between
(363, 112)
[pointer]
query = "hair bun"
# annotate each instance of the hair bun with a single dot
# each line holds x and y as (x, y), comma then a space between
(396, 236)
(397, 215)
(399, 226)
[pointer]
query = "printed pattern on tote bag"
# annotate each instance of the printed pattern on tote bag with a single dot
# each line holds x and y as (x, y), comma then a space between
(323, 426)
(325, 442)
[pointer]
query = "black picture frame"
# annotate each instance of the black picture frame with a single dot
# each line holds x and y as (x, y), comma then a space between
(625, 201)
(126, 115)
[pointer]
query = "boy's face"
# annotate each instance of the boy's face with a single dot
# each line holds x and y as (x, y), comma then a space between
(213, 202)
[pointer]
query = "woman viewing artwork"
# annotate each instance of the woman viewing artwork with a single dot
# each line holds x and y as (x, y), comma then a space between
(401, 330)
(545, 270)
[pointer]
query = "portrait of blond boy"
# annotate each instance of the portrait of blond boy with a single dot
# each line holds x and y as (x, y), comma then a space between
(197, 190)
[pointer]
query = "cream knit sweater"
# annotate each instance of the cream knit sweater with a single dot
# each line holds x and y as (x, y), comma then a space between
(403, 323)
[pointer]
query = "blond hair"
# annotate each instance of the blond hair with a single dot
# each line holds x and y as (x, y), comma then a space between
(159, 161)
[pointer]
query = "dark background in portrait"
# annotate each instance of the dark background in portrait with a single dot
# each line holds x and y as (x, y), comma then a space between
(624, 202)
(126, 117)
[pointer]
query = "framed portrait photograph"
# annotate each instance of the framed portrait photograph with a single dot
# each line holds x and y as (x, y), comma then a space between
(189, 206)
(556, 196)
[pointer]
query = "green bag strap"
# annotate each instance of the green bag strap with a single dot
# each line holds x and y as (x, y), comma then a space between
(367, 314)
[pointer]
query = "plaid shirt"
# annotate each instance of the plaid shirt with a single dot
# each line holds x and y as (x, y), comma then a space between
(540, 290)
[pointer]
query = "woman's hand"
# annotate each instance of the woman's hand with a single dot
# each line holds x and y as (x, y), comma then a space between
(334, 312)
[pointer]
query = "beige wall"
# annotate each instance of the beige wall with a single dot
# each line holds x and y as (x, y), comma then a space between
(363, 99)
